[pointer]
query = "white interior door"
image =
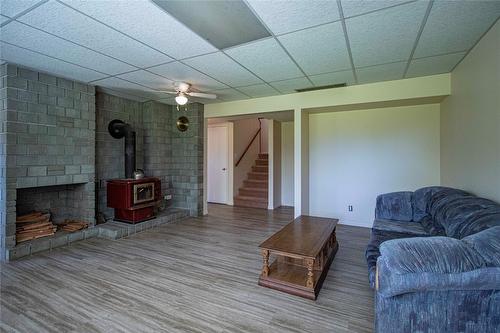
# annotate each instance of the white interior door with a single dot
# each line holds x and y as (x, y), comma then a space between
(217, 164)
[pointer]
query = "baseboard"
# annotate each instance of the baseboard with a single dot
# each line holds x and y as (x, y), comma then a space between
(355, 223)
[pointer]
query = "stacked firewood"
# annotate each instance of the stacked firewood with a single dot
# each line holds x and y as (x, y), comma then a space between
(33, 225)
(72, 225)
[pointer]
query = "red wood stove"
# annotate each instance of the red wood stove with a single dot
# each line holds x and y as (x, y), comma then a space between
(134, 199)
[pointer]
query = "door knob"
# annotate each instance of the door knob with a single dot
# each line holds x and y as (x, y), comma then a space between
(223, 169)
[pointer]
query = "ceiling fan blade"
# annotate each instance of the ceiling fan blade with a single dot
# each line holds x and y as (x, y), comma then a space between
(202, 95)
(172, 92)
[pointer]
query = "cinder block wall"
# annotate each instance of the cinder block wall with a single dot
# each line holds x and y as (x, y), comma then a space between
(110, 158)
(158, 128)
(186, 167)
(48, 138)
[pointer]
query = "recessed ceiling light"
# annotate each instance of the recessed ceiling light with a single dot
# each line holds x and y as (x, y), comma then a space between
(222, 23)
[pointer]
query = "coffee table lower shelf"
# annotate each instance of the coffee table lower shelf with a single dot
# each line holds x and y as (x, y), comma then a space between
(291, 278)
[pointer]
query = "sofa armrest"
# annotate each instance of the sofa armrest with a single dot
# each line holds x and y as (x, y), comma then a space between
(432, 263)
(394, 206)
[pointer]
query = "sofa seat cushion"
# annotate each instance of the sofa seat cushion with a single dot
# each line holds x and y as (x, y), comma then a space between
(373, 249)
(395, 206)
(487, 244)
(411, 228)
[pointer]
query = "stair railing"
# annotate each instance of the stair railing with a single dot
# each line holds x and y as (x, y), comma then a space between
(258, 133)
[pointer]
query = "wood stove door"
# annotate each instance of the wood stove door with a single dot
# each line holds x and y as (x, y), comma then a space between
(144, 192)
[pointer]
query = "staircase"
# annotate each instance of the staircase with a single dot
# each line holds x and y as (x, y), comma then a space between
(254, 191)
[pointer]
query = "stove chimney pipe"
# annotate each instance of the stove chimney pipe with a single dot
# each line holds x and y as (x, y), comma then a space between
(119, 129)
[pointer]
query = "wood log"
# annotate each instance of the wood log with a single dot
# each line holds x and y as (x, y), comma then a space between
(32, 231)
(31, 226)
(73, 225)
(34, 219)
(29, 216)
(33, 235)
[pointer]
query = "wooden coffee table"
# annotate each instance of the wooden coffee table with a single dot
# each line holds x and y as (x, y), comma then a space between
(304, 250)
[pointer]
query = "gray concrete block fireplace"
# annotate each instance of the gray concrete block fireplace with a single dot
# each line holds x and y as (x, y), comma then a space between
(56, 154)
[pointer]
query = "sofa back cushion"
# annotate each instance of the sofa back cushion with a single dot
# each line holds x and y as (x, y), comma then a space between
(470, 215)
(394, 206)
(442, 200)
(487, 244)
(488, 218)
(421, 199)
(428, 202)
(432, 228)
(422, 264)
(430, 255)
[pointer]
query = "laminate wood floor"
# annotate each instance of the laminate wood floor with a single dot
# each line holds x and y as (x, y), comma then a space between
(194, 275)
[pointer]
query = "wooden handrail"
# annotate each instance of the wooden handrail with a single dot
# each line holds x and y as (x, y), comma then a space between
(248, 147)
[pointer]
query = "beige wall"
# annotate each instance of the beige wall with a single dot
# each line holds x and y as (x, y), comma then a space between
(356, 155)
(470, 121)
(287, 163)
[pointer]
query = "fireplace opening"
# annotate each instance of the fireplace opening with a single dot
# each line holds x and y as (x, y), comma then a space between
(44, 211)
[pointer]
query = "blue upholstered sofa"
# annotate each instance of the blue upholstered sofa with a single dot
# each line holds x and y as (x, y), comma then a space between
(434, 262)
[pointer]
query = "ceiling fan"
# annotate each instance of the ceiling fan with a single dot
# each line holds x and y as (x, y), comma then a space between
(183, 90)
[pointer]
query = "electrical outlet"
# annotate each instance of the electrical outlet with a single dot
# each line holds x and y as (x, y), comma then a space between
(168, 197)
(349, 208)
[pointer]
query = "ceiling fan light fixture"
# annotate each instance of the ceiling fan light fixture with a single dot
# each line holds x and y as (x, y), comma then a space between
(181, 98)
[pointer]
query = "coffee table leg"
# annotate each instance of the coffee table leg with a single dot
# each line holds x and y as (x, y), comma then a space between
(310, 273)
(265, 266)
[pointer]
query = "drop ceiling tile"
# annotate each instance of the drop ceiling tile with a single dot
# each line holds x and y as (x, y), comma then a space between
(455, 26)
(148, 79)
(378, 73)
(266, 59)
(229, 94)
(259, 90)
(224, 69)
(145, 21)
(131, 88)
(67, 23)
(12, 8)
(24, 36)
(289, 86)
(318, 50)
(358, 7)
(333, 78)
(385, 36)
(177, 71)
(434, 65)
(47, 64)
(285, 16)
(121, 94)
